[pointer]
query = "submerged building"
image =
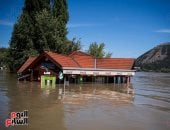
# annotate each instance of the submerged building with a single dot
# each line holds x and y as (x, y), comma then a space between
(77, 67)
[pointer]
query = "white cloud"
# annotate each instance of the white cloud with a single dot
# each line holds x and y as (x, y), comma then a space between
(163, 31)
(6, 23)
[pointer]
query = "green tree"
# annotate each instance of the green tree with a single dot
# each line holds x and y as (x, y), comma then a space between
(41, 26)
(49, 37)
(47, 33)
(3, 56)
(108, 55)
(97, 50)
(34, 6)
(71, 45)
(22, 43)
(60, 11)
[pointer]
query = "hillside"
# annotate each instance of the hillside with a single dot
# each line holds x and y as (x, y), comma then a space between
(156, 59)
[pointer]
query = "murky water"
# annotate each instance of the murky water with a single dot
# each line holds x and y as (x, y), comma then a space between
(89, 106)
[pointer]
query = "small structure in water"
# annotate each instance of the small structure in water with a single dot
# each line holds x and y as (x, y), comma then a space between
(77, 67)
(47, 80)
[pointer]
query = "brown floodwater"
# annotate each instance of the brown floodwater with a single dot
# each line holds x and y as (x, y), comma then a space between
(145, 105)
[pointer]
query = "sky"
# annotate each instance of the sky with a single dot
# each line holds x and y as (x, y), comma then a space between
(128, 28)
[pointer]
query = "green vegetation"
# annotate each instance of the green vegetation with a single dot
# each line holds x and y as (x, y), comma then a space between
(3, 56)
(41, 26)
(97, 50)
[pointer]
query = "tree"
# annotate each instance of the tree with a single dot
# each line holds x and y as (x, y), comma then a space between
(97, 50)
(108, 55)
(60, 11)
(3, 55)
(71, 46)
(22, 43)
(33, 6)
(49, 37)
(47, 33)
(40, 27)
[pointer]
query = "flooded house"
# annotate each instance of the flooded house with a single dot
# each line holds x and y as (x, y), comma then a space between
(77, 67)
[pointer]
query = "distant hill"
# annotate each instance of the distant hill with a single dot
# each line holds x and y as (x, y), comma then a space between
(156, 59)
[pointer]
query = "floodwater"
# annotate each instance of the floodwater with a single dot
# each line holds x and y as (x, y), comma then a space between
(89, 106)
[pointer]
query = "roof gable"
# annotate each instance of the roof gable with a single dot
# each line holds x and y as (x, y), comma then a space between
(28, 62)
(64, 61)
(83, 59)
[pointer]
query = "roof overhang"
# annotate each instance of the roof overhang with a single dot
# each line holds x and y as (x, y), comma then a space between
(97, 71)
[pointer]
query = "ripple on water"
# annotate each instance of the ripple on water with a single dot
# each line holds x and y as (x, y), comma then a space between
(102, 96)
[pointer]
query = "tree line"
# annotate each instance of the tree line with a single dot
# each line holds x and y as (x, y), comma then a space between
(42, 26)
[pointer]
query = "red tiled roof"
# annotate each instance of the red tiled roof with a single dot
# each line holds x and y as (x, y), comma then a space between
(26, 64)
(80, 53)
(64, 61)
(115, 63)
(84, 60)
(80, 59)
(87, 61)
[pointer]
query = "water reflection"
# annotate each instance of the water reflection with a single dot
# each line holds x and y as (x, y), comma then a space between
(81, 93)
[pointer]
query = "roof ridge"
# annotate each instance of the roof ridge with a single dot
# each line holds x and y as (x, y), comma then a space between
(56, 53)
(114, 58)
(72, 53)
(51, 54)
(75, 61)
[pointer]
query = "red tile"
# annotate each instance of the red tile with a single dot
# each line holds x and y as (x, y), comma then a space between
(26, 64)
(80, 59)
